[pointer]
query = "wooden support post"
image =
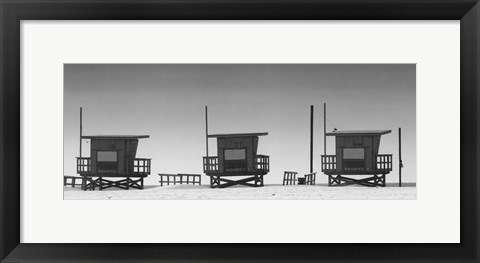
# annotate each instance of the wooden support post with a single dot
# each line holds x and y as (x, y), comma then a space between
(206, 128)
(400, 162)
(324, 128)
(311, 138)
(80, 154)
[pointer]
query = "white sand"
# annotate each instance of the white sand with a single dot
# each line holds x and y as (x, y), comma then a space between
(296, 192)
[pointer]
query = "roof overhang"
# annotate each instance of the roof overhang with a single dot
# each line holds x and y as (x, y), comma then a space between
(237, 135)
(114, 137)
(358, 132)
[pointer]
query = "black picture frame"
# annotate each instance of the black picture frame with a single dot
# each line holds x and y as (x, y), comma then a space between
(13, 11)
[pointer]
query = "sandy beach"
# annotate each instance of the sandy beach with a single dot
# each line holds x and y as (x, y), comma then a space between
(268, 192)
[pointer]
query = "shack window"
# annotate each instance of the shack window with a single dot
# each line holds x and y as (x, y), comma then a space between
(106, 156)
(235, 154)
(354, 153)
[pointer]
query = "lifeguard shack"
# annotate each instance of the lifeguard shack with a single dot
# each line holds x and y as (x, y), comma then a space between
(356, 155)
(237, 156)
(112, 162)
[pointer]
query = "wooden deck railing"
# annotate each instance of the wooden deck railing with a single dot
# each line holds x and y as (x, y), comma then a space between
(210, 164)
(84, 165)
(262, 163)
(329, 163)
(384, 162)
(141, 166)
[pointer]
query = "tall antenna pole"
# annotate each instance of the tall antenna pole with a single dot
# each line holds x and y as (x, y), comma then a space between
(400, 162)
(324, 128)
(311, 138)
(206, 128)
(81, 132)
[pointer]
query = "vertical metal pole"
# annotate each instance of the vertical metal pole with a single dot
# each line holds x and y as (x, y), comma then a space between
(206, 128)
(311, 138)
(400, 163)
(81, 132)
(324, 128)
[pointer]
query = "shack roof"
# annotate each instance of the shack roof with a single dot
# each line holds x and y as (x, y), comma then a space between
(358, 132)
(114, 137)
(237, 135)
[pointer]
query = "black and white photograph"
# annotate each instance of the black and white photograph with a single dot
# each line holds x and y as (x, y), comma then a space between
(240, 131)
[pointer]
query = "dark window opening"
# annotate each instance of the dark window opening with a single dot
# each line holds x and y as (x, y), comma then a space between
(106, 162)
(354, 159)
(235, 160)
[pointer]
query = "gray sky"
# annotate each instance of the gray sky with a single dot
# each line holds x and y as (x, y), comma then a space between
(166, 101)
